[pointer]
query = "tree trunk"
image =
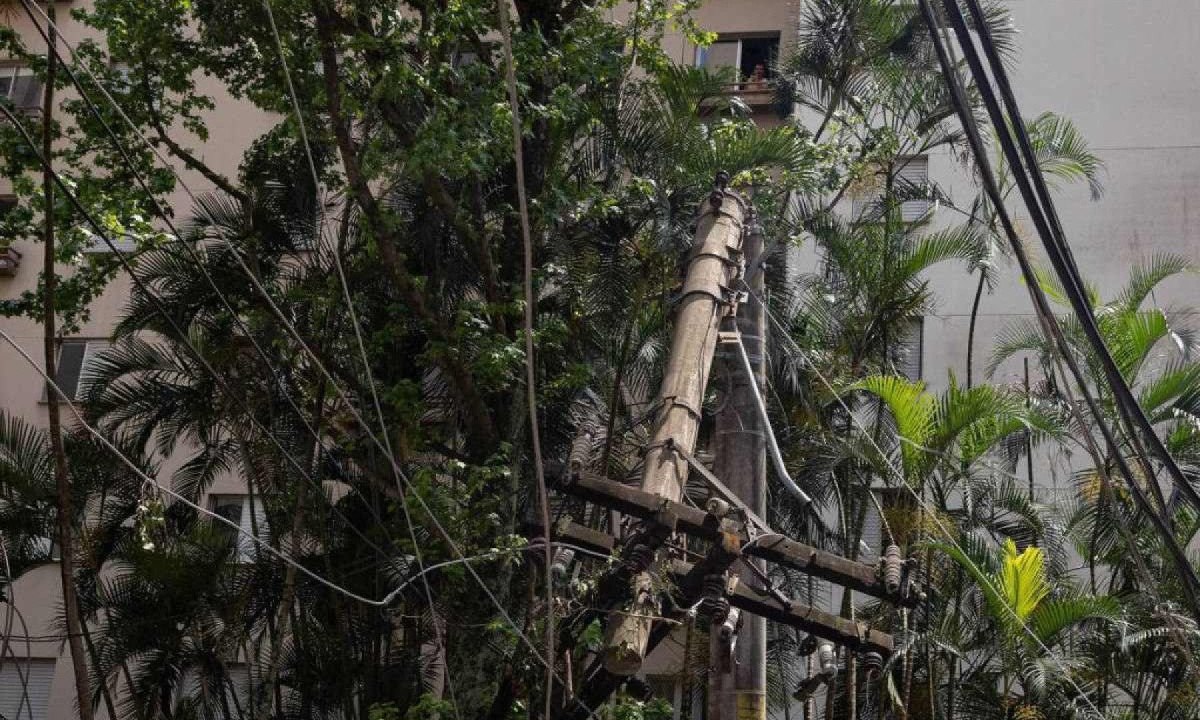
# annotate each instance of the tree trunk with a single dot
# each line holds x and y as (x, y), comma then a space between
(62, 480)
(971, 330)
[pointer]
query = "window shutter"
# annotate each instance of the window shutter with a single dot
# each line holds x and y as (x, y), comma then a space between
(913, 175)
(872, 533)
(91, 349)
(26, 92)
(246, 547)
(910, 350)
(14, 704)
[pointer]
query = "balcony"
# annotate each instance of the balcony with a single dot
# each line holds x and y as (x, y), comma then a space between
(757, 94)
(749, 57)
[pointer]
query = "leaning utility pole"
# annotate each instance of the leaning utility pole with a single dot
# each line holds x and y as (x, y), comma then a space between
(713, 565)
(739, 448)
(707, 296)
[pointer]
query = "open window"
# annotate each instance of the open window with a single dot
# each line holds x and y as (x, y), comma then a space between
(752, 55)
(75, 357)
(251, 524)
(19, 86)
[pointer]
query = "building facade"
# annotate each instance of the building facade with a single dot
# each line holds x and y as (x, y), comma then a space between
(1119, 70)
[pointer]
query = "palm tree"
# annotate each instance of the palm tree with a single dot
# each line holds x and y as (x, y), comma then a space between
(1030, 669)
(1063, 156)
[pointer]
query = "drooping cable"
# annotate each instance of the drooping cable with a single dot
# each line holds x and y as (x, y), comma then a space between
(102, 233)
(931, 512)
(335, 253)
(30, 8)
(318, 364)
(1057, 247)
(510, 78)
(1046, 317)
(262, 544)
(765, 418)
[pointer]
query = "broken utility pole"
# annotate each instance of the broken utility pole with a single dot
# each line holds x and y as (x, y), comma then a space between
(712, 266)
(727, 585)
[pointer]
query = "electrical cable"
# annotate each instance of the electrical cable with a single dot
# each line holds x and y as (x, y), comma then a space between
(282, 318)
(6, 596)
(933, 515)
(335, 253)
(99, 230)
(1132, 412)
(198, 262)
(264, 545)
(772, 443)
(1050, 324)
(530, 306)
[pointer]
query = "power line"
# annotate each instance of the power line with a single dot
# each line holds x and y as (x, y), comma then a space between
(530, 301)
(315, 359)
(157, 302)
(264, 545)
(1048, 320)
(29, 10)
(10, 601)
(1055, 240)
(932, 513)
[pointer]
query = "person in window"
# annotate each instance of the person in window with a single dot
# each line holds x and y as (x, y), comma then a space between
(758, 77)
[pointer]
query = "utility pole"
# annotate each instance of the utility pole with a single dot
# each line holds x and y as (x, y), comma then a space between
(707, 296)
(728, 585)
(739, 448)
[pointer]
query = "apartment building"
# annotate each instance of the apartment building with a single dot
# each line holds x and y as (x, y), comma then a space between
(1117, 69)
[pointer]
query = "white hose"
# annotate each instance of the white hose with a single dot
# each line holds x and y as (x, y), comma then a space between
(772, 445)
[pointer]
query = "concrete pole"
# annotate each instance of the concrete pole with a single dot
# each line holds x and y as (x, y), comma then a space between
(712, 267)
(739, 449)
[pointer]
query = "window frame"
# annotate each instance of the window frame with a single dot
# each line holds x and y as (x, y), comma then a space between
(701, 51)
(14, 71)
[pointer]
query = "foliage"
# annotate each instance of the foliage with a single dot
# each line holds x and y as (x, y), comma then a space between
(377, 421)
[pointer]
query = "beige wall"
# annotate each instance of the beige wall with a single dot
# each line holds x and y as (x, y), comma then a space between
(233, 126)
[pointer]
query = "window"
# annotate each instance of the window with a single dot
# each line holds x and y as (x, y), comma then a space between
(468, 54)
(25, 688)
(10, 259)
(909, 350)
(72, 368)
(911, 181)
(752, 55)
(20, 87)
(236, 509)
